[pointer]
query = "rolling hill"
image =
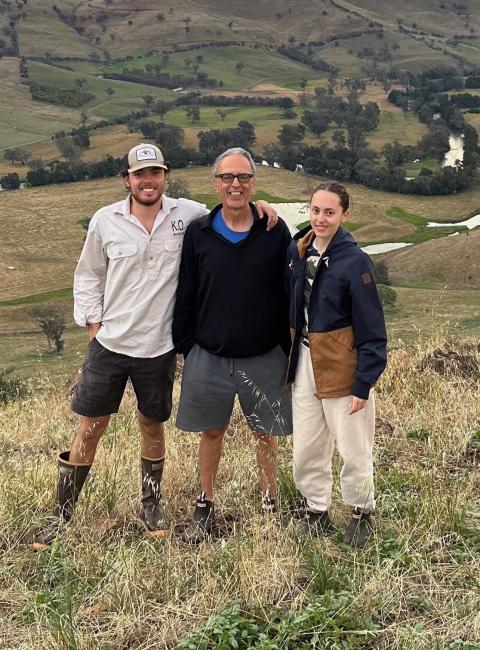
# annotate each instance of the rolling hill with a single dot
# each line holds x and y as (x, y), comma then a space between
(450, 262)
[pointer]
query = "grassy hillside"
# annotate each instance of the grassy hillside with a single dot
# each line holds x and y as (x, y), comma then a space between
(23, 121)
(44, 257)
(437, 264)
(105, 585)
(82, 29)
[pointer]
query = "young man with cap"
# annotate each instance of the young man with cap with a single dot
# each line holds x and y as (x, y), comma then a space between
(124, 294)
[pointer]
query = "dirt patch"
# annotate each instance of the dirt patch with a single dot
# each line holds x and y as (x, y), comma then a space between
(450, 362)
(276, 90)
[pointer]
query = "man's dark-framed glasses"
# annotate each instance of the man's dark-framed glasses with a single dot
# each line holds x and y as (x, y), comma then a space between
(228, 178)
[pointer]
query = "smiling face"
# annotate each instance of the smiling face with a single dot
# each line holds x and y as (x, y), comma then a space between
(234, 195)
(146, 185)
(326, 215)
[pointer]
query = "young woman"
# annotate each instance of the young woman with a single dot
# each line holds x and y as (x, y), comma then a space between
(338, 353)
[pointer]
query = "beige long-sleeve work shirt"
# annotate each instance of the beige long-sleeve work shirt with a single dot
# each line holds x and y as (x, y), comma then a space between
(126, 277)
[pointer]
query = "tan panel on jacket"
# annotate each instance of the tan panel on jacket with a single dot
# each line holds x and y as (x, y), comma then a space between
(334, 360)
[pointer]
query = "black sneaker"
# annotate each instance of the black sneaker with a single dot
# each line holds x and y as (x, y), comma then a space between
(316, 524)
(359, 528)
(201, 527)
(269, 506)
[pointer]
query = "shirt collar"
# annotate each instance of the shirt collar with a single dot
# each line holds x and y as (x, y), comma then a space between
(168, 203)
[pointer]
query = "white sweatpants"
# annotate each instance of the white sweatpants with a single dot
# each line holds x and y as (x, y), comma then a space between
(317, 423)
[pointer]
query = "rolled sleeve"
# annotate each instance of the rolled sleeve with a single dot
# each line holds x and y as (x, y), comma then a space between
(89, 279)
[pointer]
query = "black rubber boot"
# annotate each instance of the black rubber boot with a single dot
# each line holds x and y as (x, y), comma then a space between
(71, 479)
(269, 505)
(151, 511)
(316, 524)
(359, 528)
(201, 527)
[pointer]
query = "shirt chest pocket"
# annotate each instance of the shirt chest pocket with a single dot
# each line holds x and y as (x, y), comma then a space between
(164, 255)
(121, 251)
(123, 261)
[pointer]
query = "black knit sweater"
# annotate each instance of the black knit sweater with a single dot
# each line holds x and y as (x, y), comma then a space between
(231, 298)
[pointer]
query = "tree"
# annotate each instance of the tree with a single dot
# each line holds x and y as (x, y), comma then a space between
(381, 272)
(178, 188)
(221, 114)
(68, 149)
(338, 139)
(109, 91)
(81, 138)
(248, 133)
(388, 296)
(239, 67)
(291, 133)
(52, 324)
(161, 107)
(16, 155)
(148, 99)
(10, 181)
(193, 113)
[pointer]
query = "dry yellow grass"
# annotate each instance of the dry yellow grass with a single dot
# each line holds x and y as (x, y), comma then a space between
(104, 586)
(452, 262)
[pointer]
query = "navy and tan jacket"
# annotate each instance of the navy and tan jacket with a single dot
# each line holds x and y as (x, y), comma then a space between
(346, 327)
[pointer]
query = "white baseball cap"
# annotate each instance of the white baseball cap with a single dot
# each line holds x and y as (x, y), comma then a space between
(145, 155)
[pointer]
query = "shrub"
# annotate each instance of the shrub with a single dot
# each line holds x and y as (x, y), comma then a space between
(11, 388)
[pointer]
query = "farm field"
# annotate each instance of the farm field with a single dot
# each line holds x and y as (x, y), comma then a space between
(104, 584)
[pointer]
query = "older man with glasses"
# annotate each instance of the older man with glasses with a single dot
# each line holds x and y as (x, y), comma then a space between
(231, 324)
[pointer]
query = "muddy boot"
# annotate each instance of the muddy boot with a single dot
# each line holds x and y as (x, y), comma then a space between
(151, 512)
(201, 527)
(70, 483)
(269, 505)
(359, 528)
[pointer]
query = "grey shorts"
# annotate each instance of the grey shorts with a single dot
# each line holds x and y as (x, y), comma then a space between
(210, 384)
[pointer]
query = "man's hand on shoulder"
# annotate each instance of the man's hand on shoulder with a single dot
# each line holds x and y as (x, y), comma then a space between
(265, 209)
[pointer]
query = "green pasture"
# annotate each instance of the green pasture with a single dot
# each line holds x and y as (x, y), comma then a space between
(260, 66)
(393, 126)
(127, 96)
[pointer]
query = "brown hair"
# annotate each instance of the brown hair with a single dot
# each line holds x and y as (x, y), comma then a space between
(338, 189)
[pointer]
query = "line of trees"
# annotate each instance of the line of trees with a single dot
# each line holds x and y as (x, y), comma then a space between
(164, 79)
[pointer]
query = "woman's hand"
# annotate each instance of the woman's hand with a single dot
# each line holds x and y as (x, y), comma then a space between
(357, 404)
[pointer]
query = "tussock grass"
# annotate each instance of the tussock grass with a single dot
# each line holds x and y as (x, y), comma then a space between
(104, 585)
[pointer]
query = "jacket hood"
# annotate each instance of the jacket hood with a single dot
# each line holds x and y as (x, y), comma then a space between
(341, 239)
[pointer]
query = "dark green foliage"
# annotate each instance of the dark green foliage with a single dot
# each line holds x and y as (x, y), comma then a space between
(212, 143)
(388, 296)
(73, 97)
(81, 137)
(10, 181)
(154, 77)
(381, 272)
(68, 172)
